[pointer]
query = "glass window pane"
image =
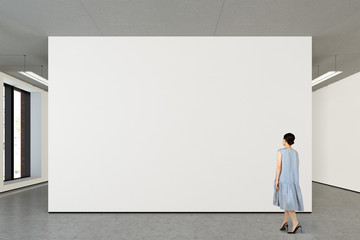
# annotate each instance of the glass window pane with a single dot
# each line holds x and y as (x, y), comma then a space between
(17, 134)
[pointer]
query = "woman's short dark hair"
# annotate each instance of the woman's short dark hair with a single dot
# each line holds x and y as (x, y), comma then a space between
(289, 137)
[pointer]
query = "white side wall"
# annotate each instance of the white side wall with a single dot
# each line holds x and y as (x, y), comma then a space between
(175, 123)
(39, 140)
(35, 135)
(336, 133)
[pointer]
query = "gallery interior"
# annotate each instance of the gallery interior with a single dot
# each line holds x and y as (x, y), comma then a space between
(177, 119)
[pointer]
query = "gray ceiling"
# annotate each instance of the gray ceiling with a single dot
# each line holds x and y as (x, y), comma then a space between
(334, 25)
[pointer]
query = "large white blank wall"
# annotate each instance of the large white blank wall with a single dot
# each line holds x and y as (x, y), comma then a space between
(336, 124)
(175, 124)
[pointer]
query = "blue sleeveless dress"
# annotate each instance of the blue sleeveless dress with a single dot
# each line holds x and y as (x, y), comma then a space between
(289, 196)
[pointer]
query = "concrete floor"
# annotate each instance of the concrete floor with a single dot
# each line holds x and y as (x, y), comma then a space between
(23, 215)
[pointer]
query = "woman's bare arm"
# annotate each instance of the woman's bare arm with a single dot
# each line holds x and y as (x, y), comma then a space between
(278, 166)
(298, 160)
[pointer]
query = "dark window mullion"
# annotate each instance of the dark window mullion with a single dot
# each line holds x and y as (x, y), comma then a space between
(9, 134)
(27, 131)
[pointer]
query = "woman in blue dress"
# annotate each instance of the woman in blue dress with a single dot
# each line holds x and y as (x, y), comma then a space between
(287, 192)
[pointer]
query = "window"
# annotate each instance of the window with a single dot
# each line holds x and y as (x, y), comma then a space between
(16, 136)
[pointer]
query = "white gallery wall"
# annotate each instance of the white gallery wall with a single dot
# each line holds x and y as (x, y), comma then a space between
(175, 124)
(336, 133)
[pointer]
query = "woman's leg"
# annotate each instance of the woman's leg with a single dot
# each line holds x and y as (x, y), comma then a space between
(286, 217)
(293, 218)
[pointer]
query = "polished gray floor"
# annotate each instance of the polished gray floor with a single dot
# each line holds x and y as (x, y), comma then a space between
(23, 215)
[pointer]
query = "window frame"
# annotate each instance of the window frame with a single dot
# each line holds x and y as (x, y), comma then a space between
(9, 133)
